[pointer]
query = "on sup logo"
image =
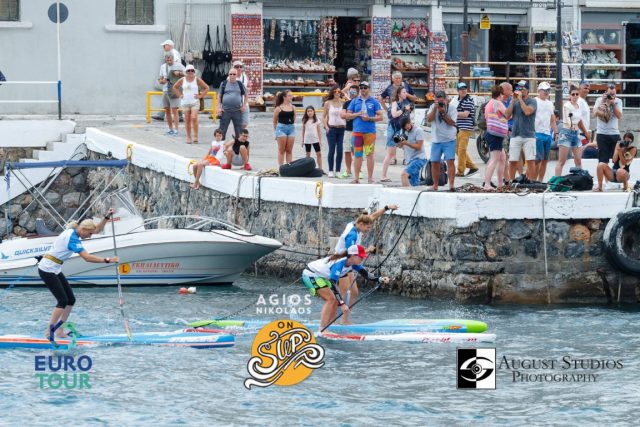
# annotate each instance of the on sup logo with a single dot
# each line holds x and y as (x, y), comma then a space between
(476, 368)
(284, 353)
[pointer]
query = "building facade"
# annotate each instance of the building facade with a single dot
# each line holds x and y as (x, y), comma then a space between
(110, 54)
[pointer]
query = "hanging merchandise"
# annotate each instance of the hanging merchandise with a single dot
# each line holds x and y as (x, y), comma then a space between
(328, 39)
(218, 54)
(226, 49)
(410, 37)
(207, 50)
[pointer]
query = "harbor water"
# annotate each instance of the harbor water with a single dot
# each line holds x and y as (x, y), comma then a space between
(361, 383)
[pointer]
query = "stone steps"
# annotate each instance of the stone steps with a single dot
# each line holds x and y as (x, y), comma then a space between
(62, 149)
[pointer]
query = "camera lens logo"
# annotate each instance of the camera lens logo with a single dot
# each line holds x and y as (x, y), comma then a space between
(476, 368)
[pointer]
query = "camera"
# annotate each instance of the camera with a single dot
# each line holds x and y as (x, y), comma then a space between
(609, 96)
(570, 115)
(440, 104)
(399, 137)
(624, 143)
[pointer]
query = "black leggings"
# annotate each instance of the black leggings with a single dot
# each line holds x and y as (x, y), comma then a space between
(59, 287)
(316, 146)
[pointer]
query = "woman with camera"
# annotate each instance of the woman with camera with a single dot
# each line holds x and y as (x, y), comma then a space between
(622, 158)
(570, 132)
(400, 108)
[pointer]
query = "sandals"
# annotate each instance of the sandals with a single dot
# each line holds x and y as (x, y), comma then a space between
(355, 181)
(393, 162)
(385, 180)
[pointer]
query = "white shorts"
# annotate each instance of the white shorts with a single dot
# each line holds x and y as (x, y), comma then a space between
(517, 144)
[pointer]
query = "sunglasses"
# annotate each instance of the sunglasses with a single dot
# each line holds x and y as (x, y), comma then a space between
(575, 94)
(232, 74)
(191, 71)
(237, 66)
(364, 87)
(356, 80)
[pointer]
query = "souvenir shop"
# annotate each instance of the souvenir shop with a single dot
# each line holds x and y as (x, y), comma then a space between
(310, 48)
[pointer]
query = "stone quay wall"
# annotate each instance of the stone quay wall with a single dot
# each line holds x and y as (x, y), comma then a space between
(489, 261)
(65, 194)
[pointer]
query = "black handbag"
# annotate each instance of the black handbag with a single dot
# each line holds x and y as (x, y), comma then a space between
(208, 75)
(226, 49)
(207, 52)
(218, 54)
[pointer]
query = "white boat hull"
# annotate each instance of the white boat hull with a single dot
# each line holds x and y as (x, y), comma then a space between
(148, 257)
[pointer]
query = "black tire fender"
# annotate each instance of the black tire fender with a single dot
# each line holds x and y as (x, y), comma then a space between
(299, 168)
(614, 244)
(315, 173)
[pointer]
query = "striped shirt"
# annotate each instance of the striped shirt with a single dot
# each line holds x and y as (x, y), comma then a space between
(466, 104)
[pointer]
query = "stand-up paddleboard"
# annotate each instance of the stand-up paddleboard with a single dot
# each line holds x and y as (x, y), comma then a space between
(179, 338)
(391, 326)
(418, 337)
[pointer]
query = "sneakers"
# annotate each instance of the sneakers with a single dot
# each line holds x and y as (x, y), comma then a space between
(172, 132)
(344, 175)
(247, 167)
(332, 174)
(226, 166)
(471, 172)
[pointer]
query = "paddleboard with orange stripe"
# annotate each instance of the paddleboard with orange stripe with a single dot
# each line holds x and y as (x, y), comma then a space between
(418, 337)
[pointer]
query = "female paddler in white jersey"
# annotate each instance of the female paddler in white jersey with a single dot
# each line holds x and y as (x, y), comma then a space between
(352, 235)
(50, 268)
(321, 277)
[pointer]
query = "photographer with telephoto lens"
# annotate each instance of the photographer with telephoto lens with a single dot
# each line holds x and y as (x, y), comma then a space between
(608, 112)
(623, 155)
(443, 138)
(410, 139)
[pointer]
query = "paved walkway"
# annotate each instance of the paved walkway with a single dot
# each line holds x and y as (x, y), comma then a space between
(263, 145)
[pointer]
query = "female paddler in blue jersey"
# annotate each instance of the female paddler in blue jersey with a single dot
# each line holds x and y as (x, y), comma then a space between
(321, 278)
(50, 268)
(352, 235)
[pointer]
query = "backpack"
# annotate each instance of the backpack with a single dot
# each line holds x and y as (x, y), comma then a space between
(481, 120)
(223, 86)
(576, 181)
(427, 179)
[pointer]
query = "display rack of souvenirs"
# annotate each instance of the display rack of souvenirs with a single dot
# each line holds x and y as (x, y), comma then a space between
(437, 53)
(299, 39)
(409, 37)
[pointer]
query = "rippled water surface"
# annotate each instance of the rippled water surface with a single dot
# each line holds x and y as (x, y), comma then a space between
(362, 383)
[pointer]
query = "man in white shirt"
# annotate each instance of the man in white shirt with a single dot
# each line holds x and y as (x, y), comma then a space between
(168, 48)
(545, 122)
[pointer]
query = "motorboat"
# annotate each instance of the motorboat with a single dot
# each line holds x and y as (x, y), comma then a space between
(164, 250)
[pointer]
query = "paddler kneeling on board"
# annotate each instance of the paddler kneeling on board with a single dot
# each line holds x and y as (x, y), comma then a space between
(352, 235)
(50, 268)
(321, 278)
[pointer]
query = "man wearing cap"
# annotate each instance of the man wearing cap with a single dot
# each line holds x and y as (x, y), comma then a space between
(170, 73)
(365, 111)
(443, 138)
(523, 132)
(545, 122)
(242, 78)
(465, 122)
(608, 111)
(168, 47)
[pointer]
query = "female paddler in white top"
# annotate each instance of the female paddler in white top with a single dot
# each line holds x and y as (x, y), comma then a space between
(50, 268)
(352, 235)
(321, 278)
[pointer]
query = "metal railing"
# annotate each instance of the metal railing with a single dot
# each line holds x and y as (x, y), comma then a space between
(213, 109)
(531, 74)
(58, 101)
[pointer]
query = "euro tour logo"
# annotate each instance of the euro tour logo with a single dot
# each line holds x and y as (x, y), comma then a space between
(68, 372)
(476, 368)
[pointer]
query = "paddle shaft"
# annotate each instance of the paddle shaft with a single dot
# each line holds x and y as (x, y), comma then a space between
(375, 288)
(120, 296)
